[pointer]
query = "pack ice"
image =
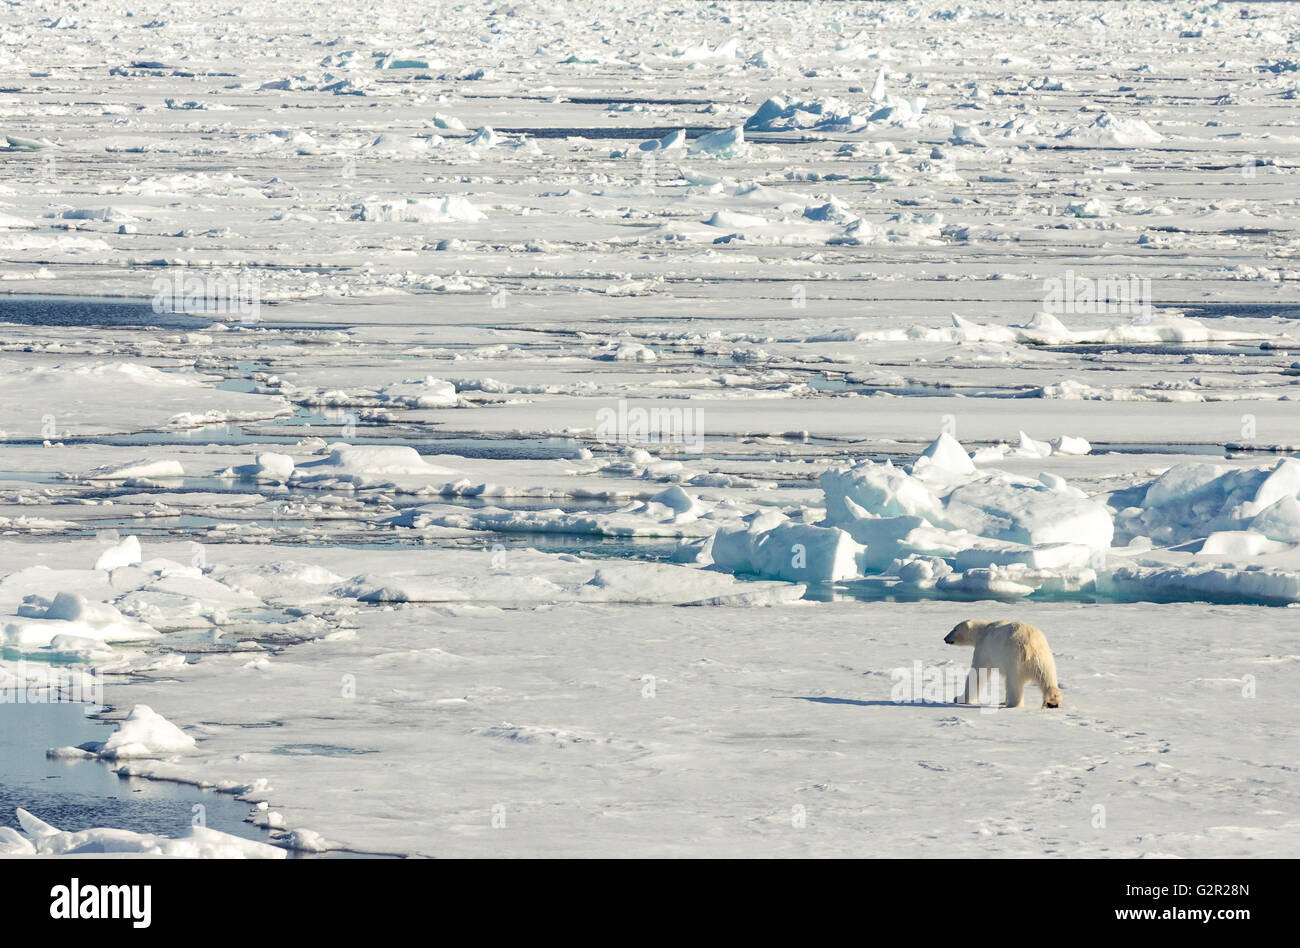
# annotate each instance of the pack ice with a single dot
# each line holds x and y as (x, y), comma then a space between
(518, 430)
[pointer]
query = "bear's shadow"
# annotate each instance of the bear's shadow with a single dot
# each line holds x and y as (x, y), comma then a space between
(883, 704)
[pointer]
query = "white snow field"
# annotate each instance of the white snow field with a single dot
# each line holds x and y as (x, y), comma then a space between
(540, 429)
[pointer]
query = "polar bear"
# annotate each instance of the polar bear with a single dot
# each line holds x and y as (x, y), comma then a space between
(1019, 652)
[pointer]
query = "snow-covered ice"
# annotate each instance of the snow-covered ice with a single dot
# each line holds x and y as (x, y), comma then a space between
(480, 431)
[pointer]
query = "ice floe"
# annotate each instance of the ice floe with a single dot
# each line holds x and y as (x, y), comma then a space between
(198, 842)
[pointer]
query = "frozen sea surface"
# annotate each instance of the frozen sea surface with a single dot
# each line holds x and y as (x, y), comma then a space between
(513, 430)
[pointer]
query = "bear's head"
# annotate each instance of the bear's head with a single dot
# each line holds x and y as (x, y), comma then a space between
(1052, 698)
(963, 633)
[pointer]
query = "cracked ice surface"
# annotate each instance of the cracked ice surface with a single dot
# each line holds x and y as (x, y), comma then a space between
(606, 407)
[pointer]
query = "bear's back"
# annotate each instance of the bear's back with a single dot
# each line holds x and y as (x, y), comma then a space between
(1028, 637)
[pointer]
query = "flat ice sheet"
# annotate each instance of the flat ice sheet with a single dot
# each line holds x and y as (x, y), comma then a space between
(497, 433)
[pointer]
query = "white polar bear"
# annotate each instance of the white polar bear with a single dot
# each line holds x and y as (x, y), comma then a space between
(1017, 650)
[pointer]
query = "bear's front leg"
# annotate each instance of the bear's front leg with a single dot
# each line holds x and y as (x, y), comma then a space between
(978, 665)
(1015, 692)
